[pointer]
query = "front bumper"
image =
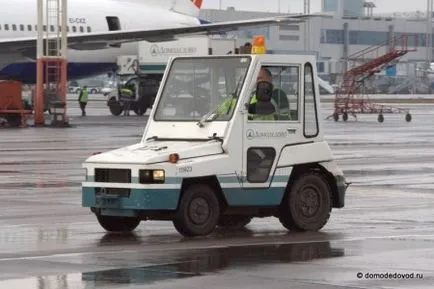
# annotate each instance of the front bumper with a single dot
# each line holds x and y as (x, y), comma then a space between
(138, 199)
(342, 186)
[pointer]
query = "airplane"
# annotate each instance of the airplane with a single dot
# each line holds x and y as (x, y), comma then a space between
(101, 30)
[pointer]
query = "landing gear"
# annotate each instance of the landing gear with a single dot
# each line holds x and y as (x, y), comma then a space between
(408, 117)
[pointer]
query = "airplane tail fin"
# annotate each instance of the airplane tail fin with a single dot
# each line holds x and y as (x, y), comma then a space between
(187, 7)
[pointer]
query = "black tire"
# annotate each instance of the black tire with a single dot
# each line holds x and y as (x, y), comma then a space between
(118, 224)
(139, 109)
(345, 116)
(293, 215)
(115, 107)
(188, 221)
(408, 117)
(234, 222)
(336, 116)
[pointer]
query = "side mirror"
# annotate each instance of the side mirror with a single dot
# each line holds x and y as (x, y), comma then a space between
(263, 106)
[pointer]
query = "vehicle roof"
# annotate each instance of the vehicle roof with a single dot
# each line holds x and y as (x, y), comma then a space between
(270, 58)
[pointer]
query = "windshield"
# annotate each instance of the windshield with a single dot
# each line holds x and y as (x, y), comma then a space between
(195, 87)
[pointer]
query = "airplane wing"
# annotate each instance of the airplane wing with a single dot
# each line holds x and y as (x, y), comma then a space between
(99, 40)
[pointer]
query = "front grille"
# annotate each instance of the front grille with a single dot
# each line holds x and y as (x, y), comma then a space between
(113, 176)
(121, 192)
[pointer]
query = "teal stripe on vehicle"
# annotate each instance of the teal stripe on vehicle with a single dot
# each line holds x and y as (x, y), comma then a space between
(139, 199)
(152, 67)
(280, 179)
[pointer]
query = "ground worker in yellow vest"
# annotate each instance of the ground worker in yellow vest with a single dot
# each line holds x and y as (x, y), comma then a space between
(83, 98)
(264, 75)
(126, 94)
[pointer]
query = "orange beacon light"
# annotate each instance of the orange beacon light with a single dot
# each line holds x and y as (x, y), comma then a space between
(258, 45)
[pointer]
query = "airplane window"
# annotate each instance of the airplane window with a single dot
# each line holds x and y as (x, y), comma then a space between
(36, 27)
(89, 29)
(29, 27)
(6, 26)
(21, 27)
(81, 29)
(0, 27)
(74, 29)
(45, 28)
(52, 28)
(67, 28)
(14, 27)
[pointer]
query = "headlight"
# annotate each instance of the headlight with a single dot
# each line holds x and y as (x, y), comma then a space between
(158, 175)
(151, 176)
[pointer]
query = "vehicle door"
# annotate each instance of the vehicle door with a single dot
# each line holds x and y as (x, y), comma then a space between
(263, 140)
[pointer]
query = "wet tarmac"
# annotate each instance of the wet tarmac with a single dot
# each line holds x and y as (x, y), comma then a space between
(385, 232)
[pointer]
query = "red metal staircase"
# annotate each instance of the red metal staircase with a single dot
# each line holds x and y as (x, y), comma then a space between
(366, 63)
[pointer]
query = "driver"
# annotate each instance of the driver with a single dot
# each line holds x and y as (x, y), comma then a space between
(229, 103)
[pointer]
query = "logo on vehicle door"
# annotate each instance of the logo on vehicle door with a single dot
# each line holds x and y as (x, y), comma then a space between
(250, 133)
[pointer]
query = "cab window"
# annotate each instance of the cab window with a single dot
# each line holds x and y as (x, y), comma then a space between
(286, 83)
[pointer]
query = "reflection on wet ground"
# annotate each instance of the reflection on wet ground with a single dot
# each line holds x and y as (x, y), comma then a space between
(214, 260)
(188, 264)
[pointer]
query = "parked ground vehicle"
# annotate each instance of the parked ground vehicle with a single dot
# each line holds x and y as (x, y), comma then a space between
(145, 87)
(202, 166)
(146, 68)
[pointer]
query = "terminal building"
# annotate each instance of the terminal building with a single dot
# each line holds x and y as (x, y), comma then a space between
(349, 27)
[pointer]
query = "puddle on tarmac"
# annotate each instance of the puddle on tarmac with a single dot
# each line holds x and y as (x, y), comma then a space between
(186, 264)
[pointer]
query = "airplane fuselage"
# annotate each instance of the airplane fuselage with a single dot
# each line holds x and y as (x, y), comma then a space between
(19, 19)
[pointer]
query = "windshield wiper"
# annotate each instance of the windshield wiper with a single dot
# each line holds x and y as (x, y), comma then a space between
(204, 119)
(234, 95)
(152, 138)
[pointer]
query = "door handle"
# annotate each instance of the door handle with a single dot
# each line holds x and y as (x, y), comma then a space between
(291, 130)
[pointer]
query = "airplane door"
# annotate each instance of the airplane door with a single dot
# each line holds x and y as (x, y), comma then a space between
(114, 24)
(264, 140)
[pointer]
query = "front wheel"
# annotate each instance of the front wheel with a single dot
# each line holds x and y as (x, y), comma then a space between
(118, 224)
(307, 206)
(115, 106)
(198, 212)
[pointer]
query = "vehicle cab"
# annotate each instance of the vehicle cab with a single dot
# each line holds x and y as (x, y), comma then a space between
(229, 138)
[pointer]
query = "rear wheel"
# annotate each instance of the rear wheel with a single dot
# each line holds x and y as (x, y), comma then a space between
(198, 212)
(115, 107)
(118, 224)
(307, 205)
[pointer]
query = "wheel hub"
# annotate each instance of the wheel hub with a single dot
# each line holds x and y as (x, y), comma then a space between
(309, 201)
(199, 211)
